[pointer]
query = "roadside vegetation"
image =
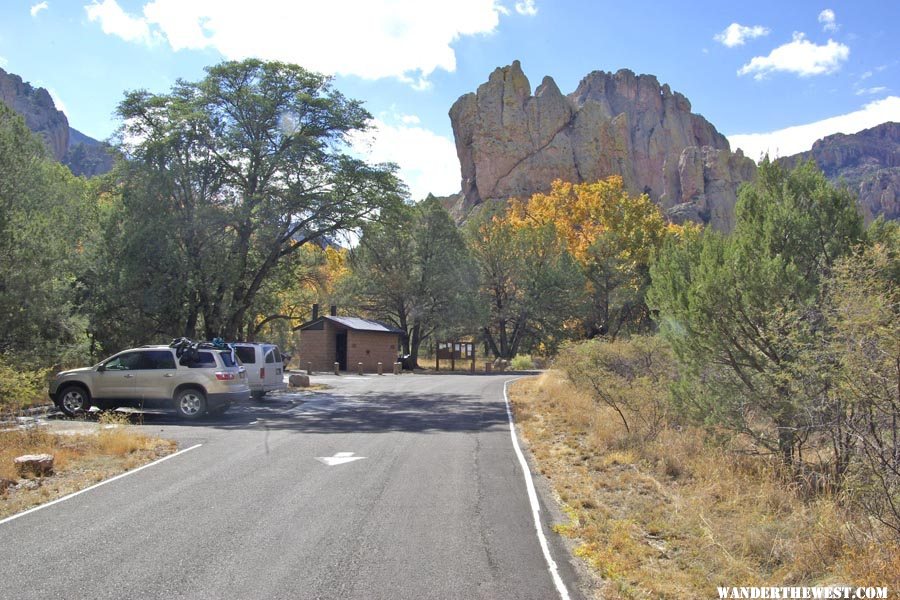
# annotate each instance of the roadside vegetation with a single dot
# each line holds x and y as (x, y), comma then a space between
(754, 439)
(82, 457)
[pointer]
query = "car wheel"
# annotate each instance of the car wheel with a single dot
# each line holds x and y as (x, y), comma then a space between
(74, 400)
(190, 403)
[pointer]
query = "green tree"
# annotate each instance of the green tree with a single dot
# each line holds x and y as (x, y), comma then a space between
(45, 222)
(532, 287)
(738, 310)
(612, 235)
(250, 164)
(858, 360)
(412, 269)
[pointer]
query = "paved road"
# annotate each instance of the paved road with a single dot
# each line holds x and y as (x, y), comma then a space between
(438, 507)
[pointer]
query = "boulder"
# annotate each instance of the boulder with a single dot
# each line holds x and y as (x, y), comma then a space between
(297, 380)
(37, 465)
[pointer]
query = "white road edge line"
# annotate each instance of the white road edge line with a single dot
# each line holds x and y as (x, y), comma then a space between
(96, 485)
(533, 499)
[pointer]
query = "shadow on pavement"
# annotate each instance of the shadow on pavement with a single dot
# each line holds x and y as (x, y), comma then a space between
(335, 413)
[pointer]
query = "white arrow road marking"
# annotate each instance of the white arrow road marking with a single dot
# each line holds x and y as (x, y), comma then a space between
(339, 458)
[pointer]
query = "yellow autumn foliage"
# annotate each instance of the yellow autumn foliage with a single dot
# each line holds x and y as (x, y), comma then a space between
(585, 212)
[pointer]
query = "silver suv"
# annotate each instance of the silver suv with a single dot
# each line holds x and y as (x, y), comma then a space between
(205, 379)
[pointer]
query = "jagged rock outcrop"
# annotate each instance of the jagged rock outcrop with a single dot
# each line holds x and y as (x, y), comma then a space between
(511, 143)
(39, 111)
(86, 156)
(868, 162)
(82, 154)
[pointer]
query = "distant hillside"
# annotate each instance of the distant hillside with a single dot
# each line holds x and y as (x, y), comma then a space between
(868, 162)
(86, 156)
(82, 154)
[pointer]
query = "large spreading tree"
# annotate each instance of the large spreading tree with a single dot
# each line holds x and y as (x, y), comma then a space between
(242, 168)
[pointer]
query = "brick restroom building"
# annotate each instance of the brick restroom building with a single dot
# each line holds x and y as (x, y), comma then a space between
(348, 341)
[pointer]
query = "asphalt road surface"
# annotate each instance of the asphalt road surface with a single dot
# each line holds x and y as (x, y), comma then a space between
(436, 508)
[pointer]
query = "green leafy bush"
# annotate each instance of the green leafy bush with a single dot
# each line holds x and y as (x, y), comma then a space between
(521, 362)
(21, 388)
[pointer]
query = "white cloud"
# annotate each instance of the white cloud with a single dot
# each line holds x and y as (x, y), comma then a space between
(406, 39)
(800, 138)
(427, 161)
(827, 19)
(871, 91)
(115, 21)
(527, 8)
(3, 62)
(35, 9)
(799, 56)
(737, 35)
(410, 120)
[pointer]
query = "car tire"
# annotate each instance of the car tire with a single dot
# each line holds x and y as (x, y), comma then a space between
(74, 400)
(190, 403)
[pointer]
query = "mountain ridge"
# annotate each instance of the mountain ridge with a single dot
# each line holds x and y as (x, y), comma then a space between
(81, 153)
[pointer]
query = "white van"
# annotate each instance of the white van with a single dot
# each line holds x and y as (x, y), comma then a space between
(264, 365)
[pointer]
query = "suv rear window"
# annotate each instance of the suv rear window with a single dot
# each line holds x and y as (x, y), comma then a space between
(247, 354)
(199, 360)
(226, 359)
(277, 355)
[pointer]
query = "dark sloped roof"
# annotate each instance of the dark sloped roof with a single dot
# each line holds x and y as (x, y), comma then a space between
(357, 324)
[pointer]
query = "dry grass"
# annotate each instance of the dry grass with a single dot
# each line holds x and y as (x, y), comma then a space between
(677, 516)
(80, 460)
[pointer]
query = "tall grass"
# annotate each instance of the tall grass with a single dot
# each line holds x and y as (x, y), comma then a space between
(664, 508)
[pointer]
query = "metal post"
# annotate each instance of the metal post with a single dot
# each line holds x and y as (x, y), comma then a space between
(337, 368)
(380, 369)
(397, 368)
(359, 369)
(309, 368)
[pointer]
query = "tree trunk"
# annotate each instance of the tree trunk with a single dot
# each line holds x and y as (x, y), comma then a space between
(414, 345)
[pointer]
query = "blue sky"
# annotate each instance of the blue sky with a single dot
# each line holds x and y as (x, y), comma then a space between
(770, 75)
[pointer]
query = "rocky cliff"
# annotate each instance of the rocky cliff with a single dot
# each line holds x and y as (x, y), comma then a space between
(868, 162)
(36, 106)
(511, 142)
(82, 154)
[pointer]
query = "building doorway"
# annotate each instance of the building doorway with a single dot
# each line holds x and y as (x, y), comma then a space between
(340, 340)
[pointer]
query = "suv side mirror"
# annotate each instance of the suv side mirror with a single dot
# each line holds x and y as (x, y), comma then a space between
(101, 367)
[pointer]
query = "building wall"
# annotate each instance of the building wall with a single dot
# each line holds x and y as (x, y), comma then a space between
(317, 346)
(370, 348)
